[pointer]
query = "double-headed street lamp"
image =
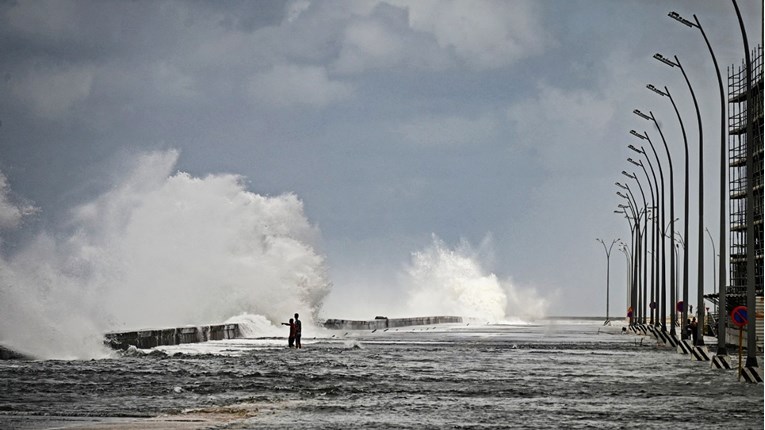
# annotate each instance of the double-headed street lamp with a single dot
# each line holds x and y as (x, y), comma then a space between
(722, 313)
(608, 275)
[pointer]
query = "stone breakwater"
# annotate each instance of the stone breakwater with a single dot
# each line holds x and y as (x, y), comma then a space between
(171, 336)
(384, 323)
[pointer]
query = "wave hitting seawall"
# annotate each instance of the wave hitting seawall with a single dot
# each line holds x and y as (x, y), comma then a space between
(383, 322)
(171, 336)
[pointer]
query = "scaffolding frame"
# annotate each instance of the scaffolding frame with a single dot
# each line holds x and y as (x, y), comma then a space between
(738, 107)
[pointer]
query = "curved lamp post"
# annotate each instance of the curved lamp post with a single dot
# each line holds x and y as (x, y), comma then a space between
(721, 314)
(672, 263)
(642, 257)
(700, 280)
(643, 303)
(636, 215)
(654, 198)
(663, 294)
(684, 318)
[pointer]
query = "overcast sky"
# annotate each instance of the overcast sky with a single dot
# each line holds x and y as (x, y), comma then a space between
(500, 123)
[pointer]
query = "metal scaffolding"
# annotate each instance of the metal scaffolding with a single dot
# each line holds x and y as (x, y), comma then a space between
(738, 107)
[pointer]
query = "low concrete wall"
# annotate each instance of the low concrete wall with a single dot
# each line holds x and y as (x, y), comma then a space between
(171, 336)
(383, 323)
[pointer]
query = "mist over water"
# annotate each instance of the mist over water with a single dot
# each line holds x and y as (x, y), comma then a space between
(160, 249)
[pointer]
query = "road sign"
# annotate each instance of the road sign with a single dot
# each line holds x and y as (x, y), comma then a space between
(680, 306)
(738, 316)
(653, 305)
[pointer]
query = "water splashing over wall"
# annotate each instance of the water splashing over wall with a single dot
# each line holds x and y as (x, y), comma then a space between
(161, 249)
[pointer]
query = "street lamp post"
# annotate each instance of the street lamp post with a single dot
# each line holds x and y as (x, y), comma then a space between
(645, 238)
(686, 205)
(721, 314)
(700, 279)
(656, 236)
(672, 263)
(608, 274)
(654, 198)
(663, 295)
(636, 250)
(642, 245)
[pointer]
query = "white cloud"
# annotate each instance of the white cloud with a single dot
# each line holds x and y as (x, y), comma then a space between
(448, 130)
(291, 85)
(486, 34)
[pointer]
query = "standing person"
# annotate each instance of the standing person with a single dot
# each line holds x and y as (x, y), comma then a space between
(694, 331)
(291, 339)
(298, 331)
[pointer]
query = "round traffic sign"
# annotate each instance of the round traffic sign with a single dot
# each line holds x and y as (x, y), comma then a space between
(653, 305)
(680, 306)
(738, 316)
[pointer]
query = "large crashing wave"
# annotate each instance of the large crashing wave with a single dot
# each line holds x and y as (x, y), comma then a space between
(452, 281)
(161, 249)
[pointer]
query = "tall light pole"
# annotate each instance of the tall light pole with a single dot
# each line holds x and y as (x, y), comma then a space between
(672, 263)
(700, 279)
(645, 238)
(642, 244)
(663, 295)
(608, 275)
(721, 314)
(686, 205)
(656, 236)
(654, 199)
(636, 214)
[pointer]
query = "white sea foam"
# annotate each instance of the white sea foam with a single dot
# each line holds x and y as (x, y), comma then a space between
(452, 281)
(161, 249)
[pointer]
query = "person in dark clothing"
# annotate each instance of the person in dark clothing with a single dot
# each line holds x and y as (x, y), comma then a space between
(291, 340)
(694, 331)
(298, 332)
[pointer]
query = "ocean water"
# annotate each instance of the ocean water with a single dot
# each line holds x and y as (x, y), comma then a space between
(552, 374)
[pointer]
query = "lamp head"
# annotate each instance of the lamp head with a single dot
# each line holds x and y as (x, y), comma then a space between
(636, 134)
(664, 60)
(620, 185)
(641, 114)
(639, 151)
(628, 175)
(639, 164)
(676, 16)
(656, 90)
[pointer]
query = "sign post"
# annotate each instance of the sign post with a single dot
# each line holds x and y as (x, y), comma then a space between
(739, 318)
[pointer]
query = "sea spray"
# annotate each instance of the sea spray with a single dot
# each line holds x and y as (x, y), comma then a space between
(161, 249)
(452, 281)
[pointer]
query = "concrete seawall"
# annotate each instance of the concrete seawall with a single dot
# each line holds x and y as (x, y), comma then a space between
(383, 323)
(171, 336)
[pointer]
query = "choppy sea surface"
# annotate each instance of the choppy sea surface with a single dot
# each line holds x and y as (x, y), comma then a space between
(553, 374)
